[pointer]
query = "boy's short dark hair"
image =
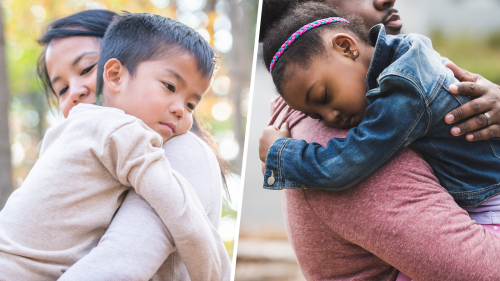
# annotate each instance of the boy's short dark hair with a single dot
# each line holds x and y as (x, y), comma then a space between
(135, 38)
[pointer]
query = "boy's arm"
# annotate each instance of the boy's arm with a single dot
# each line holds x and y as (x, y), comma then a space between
(133, 248)
(394, 119)
(134, 157)
(137, 242)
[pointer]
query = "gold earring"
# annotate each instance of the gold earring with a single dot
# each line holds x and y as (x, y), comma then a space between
(355, 54)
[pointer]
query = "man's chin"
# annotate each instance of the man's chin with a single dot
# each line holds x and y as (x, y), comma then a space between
(393, 29)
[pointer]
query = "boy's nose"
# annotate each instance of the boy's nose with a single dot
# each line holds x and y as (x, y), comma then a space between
(177, 109)
(383, 4)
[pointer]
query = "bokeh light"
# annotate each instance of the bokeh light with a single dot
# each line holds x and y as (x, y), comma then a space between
(160, 3)
(38, 12)
(222, 111)
(229, 149)
(204, 33)
(222, 23)
(17, 152)
(227, 224)
(188, 6)
(223, 41)
(221, 85)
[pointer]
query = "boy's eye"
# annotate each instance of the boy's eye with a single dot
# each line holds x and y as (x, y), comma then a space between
(191, 106)
(63, 90)
(87, 70)
(170, 87)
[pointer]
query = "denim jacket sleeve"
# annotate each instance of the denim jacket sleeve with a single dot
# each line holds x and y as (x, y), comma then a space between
(397, 114)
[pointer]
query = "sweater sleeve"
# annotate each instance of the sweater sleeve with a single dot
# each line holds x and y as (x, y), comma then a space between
(133, 248)
(395, 118)
(134, 156)
(137, 242)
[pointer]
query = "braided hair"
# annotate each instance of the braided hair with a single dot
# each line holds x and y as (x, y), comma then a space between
(309, 45)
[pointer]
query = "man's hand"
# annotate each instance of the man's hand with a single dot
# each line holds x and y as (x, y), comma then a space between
(486, 99)
(269, 136)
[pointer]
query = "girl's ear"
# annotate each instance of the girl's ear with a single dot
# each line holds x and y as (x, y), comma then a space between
(113, 74)
(346, 45)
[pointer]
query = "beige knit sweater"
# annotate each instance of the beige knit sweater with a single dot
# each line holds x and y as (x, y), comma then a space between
(70, 196)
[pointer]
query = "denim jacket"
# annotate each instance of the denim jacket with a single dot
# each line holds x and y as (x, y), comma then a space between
(408, 99)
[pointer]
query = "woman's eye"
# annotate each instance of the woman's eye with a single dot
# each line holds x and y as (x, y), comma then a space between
(87, 70)
(170, 87)
(191, 106)
(63, 90)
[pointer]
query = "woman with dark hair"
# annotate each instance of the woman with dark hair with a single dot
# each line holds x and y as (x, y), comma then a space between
(137, 244)
(398, 219)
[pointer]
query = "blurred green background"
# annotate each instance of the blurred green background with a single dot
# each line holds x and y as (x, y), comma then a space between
(228, 25)
(477, 54)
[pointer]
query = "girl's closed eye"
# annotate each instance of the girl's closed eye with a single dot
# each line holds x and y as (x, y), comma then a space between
(87, 69)
(316, 116)
(325, 98)
(169, 87)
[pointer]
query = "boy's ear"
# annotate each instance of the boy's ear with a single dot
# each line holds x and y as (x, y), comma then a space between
(113, 74)
(346, 45)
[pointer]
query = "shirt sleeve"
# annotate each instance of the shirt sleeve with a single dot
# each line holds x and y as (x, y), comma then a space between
(395, 117)
(134, 156)
(133, 248)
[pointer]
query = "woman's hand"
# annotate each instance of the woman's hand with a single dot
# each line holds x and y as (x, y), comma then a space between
(269, 136)
(486, 99)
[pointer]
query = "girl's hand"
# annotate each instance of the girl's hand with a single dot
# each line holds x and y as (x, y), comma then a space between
(269, 136)
(486, 99)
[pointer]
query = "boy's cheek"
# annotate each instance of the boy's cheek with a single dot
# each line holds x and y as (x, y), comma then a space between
(185, 126)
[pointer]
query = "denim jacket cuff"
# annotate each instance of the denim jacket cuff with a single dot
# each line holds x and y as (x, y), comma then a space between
(273, 174)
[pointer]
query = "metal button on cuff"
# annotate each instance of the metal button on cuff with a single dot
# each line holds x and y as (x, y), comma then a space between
(271, 179)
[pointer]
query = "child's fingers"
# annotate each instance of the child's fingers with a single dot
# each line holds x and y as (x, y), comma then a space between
(284, 126)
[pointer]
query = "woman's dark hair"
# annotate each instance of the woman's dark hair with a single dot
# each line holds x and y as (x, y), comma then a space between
(95, 23)
(86, 23)
(308, 45)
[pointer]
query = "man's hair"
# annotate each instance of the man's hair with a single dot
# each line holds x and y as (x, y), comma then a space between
(135, 38)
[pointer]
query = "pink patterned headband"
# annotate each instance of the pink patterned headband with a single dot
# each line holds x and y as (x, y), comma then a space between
(299, 32)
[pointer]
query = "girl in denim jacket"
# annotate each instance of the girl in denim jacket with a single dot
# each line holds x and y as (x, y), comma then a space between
(393, 91)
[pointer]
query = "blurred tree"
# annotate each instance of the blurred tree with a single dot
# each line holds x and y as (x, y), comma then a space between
(243, 43)
(5, 164)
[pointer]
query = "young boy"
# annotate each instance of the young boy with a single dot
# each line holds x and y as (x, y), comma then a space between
(151, 75)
